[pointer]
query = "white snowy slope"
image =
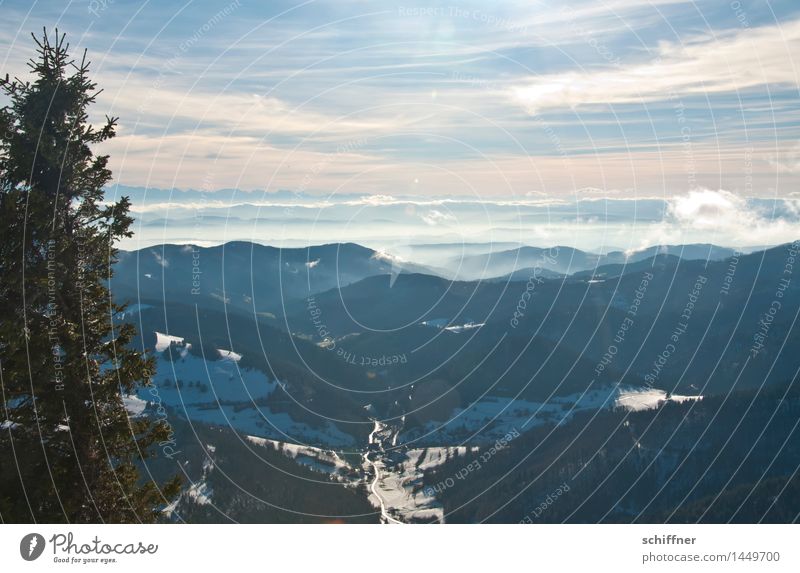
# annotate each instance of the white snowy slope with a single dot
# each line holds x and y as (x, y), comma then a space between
(635, 399)
(492, 417)
(164, 340)
(198, 492)
(216, 390)
(229, 355)
(134, 405)
(446, 324)
(318, 459)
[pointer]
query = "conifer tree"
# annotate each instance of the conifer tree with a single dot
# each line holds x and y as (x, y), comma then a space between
(68, 449)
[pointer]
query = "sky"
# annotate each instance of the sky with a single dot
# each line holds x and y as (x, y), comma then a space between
(530, 100)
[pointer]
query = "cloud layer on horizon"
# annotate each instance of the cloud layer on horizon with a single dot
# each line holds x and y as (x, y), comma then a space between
(520, 98)
(392, 223)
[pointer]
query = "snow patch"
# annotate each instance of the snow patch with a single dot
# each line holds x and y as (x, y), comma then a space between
(636, 399)
(318, 459)
(134, 405)
(200, 493)
(445, 324)
(229, 355)
(163, 341)
(436, 322)
(465, 326)
(220, 392)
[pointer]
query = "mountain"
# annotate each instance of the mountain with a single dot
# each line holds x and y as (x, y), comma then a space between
(447, 255)
(231, 477)
(567, 260)
(690, 252)
(657, 262)
(729, 457)
(688, 326)
(526, 274)
(245, 275)
(579, 377)
(562, 260)
(236, 369)
(385, 303)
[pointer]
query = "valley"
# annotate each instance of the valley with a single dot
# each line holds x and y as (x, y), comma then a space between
(402, 390)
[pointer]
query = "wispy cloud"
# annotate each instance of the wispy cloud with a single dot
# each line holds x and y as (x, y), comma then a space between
(787, 161)
(434, 100)
(700, 65)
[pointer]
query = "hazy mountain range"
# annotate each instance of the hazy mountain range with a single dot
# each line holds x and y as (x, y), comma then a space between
(318, 345)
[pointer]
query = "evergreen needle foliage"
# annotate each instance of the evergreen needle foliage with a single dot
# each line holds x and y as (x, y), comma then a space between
(68, 450)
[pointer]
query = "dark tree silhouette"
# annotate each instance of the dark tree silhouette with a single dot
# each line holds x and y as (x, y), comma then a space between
(68, 450)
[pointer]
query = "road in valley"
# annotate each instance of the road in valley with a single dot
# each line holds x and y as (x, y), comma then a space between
(396, 486)
(373, 457)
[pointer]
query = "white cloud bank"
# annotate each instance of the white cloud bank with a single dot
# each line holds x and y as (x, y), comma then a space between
(729, 62)
(724, 218)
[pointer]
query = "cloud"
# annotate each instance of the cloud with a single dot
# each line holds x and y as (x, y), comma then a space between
(266, 103)
(722, 217)
(592, 223)
(707, 209)
(376, 200)
(730, 62)
(170, 106)
(266, 199)
(436, 217)
(159, 259)
(596, 192)
(787, 161)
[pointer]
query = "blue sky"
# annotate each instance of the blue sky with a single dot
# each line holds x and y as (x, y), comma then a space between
(507, 99)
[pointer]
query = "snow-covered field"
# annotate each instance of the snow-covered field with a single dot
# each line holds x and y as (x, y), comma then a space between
(445, 324)
(216, 390)
(492, 417)
(318, 459)
(399, 488)
(635, 399)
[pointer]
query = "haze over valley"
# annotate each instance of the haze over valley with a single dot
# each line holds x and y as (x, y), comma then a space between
(380, 373)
